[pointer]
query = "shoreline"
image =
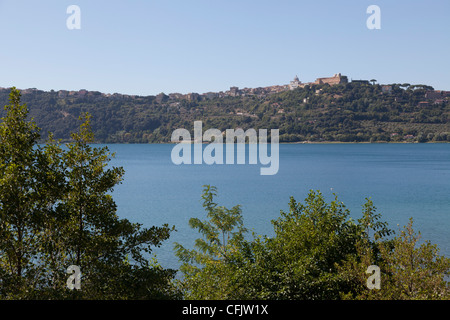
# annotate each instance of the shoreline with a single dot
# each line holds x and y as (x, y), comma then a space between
(300, 142)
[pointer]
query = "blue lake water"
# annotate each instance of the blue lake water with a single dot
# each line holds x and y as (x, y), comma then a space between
(403, 180)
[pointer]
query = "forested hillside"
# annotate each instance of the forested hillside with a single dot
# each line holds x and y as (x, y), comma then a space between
(350, 112)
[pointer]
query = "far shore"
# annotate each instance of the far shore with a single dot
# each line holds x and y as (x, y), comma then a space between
(299, 142)
(296, 142)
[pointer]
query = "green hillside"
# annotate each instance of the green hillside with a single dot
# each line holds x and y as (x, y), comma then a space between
(350, 112)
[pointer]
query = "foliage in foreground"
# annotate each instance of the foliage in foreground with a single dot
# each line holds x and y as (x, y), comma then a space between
(318, 252)
(56, 211)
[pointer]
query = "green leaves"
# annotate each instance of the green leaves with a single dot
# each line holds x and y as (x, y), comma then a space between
(410, 270)
(318, 252)
(370, 221)
(56, 210)
(20, 196)
(310, 240)
(215, 254)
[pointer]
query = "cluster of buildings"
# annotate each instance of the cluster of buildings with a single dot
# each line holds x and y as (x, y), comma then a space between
(260, 91)
(336, 79)
(233, 92)
(435, 97)
(431, 96)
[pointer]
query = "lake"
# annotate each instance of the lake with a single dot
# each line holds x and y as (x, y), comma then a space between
(403, 181)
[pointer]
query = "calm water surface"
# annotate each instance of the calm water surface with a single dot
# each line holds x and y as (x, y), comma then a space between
(403, 180)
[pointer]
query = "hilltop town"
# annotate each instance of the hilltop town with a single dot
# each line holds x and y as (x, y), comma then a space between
(327, 109)
(430, 97)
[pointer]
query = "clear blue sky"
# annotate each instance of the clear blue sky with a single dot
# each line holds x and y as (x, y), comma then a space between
(150, 46)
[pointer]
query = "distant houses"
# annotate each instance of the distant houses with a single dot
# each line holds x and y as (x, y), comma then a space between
(435, 97)
(386, 89)
(336, 79)
(431, 97)
(437, 94)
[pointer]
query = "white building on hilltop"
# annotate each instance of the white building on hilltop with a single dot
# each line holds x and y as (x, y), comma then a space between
(295, 83)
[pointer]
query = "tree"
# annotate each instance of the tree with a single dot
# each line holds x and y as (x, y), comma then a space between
(414, 271)
(112, 253)
(301, 261)
(56, 210)
(409, 271)
(405, 85)
(208, 269)
(28, 188)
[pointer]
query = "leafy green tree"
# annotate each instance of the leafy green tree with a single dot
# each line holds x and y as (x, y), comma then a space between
(408, 270)
(311, 240)
(414, 271)
(56, 210)
(27, 189)
(208, 268)
(112, 253)
(302, 261)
